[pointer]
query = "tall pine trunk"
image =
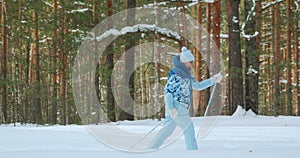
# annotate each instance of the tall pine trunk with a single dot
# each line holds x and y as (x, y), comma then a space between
(109, 63)
(258, 38)
(35, 61)
(296, 58)
(63, 66)
(235, 60)
(198, 96)
(252, 59)
(54, 65)
(215, 52)
(277, 59)
(289, 96)
(4, 62)
(208, 52)
(21, 66)
(96, 18)
(128, 113)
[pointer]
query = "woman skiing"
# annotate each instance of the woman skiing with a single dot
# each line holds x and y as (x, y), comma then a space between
(178, 97)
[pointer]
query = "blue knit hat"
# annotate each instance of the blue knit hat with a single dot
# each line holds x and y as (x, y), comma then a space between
(186, 55)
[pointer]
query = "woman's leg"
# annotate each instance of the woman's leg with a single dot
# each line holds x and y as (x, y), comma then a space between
(190, 140)
(184, 121)
(162, 135)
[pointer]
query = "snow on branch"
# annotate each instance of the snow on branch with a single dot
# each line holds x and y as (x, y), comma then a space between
(251, 70)
(251, 13)
(50, 5)
(79, 10)
(150, 5)
(271, 4)
(141, 28)
(297, 5)
(194, 1)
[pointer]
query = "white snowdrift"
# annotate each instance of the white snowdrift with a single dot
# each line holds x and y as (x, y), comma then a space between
(242, 112)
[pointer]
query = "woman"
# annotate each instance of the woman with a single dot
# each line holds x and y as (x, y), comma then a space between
(178, 97)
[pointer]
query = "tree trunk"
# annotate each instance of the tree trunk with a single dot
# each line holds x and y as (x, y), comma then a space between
(21, 66)
(198, 97)
(296, 58)
(4, 62)
(35, 61)
(63, 77)
(158, 75)
(109, 63)
(252, 59)
(216, 54)
(54, 65)
(96, 18)
(235, 60)
(128, 114)
(208, 53)
(216, 26)
(27, 110)
(277, 58)
(258, 39)
(288, 59)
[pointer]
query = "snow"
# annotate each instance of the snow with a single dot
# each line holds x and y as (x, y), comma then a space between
(79, 10)
(194, 1)
(283, 81)
(77, 30)
(251, 70)
(242, 112)
(224, 35)
(239, 111)
(242, 135)
(79, 3)
(235, 19)
(248, 18)
(271, 3)
(139, 27)
(164, 78)
(50, 5)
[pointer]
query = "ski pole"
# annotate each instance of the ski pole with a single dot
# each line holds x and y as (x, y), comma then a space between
(140, 140)
(208, 105)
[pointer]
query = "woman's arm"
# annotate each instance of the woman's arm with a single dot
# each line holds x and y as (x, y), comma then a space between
(201, 85)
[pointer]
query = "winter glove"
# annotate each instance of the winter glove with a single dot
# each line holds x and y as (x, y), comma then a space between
(216, 78)
(173, 113)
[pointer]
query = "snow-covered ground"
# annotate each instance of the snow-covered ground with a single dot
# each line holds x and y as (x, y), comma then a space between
(242, 135)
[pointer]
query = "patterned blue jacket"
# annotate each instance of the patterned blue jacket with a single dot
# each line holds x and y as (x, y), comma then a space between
(178, 90)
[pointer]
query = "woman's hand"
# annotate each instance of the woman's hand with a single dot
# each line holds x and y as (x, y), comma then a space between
(173, 113)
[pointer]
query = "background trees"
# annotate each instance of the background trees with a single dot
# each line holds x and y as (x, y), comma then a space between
(259, 42)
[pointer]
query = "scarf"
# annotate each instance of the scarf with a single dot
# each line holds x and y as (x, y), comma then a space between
(180, 69)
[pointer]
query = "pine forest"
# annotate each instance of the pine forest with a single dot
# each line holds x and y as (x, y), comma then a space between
(258, 41)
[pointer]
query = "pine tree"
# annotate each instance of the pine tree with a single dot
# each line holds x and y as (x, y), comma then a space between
(35, 66)
(54, 58)
(197, 95)
(277, 61)
(4, 62)
(235, 61)
(129, 61)
(288, 59)
(109, 64)
(252, 58)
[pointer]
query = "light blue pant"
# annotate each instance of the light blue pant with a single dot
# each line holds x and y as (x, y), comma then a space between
(182, 121)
